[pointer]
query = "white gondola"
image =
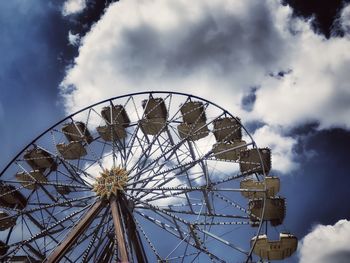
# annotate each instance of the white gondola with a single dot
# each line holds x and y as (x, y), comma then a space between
(152, 126)
(229, 151)
(116, 113)
(272, 187)
(71, 151)
(12, 198)
(28, 180)
(192, 112)
(193, 132)
(250, 162)
(155, 116)
(227, 129)
(194, 125)
(275, 210)
(6, 221)
(154, 108)
(275, 250)
(111, 132)
(3, 248)
(63, 189)
(39, 159)
(77, 131)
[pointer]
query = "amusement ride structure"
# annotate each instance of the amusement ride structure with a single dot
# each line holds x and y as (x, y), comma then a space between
(144, 177)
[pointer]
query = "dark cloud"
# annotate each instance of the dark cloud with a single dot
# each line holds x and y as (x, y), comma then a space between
(142, 51)
(318, 191)
(218, 41)
(253, 126)
(81, 23)
(325, 13)
(280, 74)
(338, 257)
(306, 129)
(230, 41)
(248, 99)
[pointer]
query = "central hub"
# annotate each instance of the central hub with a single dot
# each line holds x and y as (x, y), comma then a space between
(110, 182)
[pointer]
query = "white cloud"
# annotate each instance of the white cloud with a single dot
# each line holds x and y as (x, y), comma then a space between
(195, 47)
(317, 89)
(73, 7)
(326, 244)
(217, 50)
(281, 147)
(73, 39)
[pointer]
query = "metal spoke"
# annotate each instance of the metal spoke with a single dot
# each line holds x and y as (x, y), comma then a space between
(102, 200)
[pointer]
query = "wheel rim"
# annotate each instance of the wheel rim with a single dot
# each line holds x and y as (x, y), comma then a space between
(182, 202)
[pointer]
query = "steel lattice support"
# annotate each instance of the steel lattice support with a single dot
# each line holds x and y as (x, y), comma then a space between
(118, 228)
(75, 233)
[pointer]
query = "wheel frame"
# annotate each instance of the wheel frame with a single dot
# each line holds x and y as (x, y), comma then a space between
(254, 145)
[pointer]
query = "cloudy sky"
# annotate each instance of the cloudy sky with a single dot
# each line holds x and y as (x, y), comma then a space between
(281, 66)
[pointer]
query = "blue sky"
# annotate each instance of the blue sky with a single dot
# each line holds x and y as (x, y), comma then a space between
(282, 68)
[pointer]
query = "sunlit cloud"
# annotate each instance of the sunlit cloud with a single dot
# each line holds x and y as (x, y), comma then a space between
(219, 50)
(325, 244)
(73, 39)
(73, 7)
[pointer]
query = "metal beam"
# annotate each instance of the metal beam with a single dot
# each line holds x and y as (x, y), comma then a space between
(35, 251)
(74, 234)
(107, 253)
(132, 232)
(115, 208)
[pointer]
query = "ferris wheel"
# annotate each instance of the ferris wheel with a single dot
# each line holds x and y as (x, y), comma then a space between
(144, 177)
